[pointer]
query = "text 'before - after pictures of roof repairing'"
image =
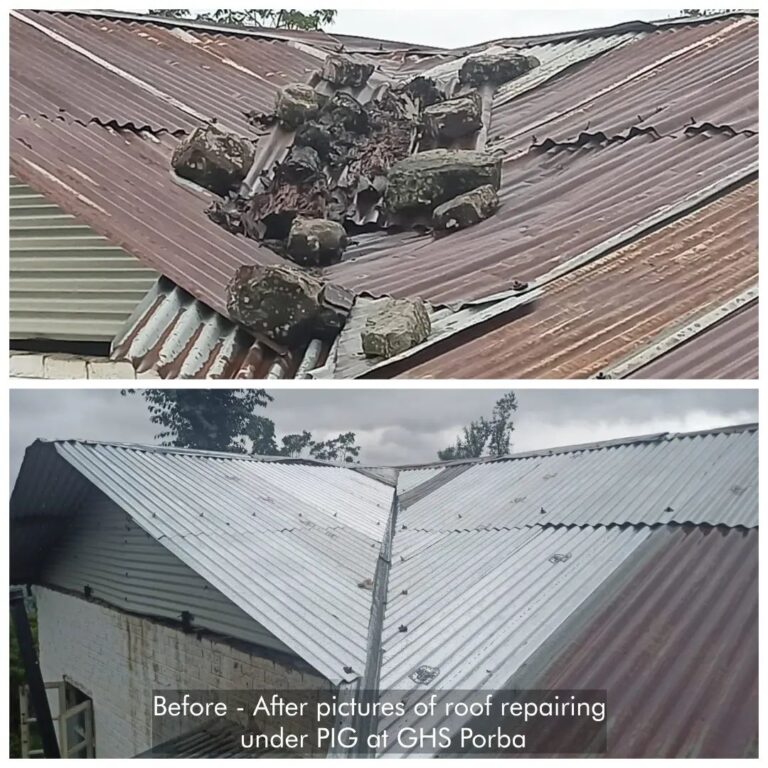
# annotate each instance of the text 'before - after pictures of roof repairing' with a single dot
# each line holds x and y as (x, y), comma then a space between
(262, 557)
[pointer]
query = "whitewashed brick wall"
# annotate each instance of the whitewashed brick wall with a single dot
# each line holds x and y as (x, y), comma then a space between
(118, 660)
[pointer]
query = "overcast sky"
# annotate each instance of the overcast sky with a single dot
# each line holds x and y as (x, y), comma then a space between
(397, 426)
(454, 28)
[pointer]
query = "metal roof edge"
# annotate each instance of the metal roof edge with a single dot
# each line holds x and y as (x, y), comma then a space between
(259, 458)
(671, 339)
(593, 446)
(209, 26)
(368, 471)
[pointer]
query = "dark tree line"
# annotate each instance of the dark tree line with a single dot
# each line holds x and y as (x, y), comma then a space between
(228, 420)
(265, 17)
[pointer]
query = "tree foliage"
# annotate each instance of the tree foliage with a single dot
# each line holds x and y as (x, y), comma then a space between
(227, 420)
(263, 17)
(706, 11)
(341, 448)
(208, 419)
(485, 436)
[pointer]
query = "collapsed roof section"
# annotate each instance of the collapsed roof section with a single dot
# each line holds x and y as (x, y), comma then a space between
(586, 130)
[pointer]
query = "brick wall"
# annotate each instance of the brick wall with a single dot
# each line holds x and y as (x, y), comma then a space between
(119, 659)
(59, 365)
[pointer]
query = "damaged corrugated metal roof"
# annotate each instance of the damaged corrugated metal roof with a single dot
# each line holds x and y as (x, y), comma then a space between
(499, 599)
(632, 127)
(589, 320)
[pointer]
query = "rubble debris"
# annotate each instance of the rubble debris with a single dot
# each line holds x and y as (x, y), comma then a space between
(213, 159)
(316, 242)
(336, 169)
(344, 111)
(301, 166)
(452, 119)
(343, 71)
(422, 90)
(428, 179)
(286, 305)
(396, 326)
(495, 69)
(296, 103)
(466, 209)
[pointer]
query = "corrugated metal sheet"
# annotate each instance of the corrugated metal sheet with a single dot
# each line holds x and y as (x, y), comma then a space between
(707, 478)
(124, 566)
(480, 628)
(604, 311)
(666, 80)
(410, 478)
(217, 76)
(555, 205)
(728, 350)
(297, 539)
(179, 337)
(66, 282)
(119, 183)
(695, 81)
(675, 644)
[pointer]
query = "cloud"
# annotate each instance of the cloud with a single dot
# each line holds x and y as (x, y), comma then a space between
(396, 426)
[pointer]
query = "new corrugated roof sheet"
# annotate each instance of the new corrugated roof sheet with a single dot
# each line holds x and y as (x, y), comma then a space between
(708, 478)
(600, 587)
(286, 542)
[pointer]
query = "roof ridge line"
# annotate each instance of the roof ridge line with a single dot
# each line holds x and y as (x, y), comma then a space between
(590, 446)
(367, 685)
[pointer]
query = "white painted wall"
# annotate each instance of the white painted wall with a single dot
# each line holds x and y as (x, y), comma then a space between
(119, 659)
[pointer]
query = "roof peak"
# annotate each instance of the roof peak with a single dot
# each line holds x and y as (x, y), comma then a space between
(577, 447)
(654, 437)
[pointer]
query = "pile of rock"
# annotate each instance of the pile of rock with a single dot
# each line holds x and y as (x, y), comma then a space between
(455, 188)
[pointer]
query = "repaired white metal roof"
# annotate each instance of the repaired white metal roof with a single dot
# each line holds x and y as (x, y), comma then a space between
(474, 605)
(288, 543)
(488, 558)
(708, 477)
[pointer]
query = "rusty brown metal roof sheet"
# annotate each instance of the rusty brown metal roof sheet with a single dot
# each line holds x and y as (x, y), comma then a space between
(572, 196)
(180, 338)
(729, 350)
(603, 311)
(673, 639)
(555, 205)
(120, 184)
(221, 77)
(664, 80)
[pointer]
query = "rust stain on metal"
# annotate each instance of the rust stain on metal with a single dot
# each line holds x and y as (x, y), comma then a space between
(619, 304)
(705, 73)
(555, 205)
(675, 646)
(146, 212)
(728, 350)
(221, 76)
